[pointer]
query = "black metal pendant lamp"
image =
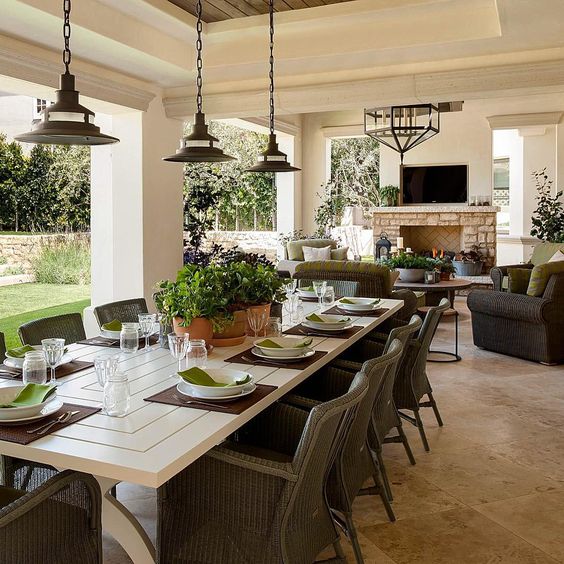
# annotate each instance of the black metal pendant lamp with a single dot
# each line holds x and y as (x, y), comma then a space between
(272, 159)
(199, 146)
(66, 122)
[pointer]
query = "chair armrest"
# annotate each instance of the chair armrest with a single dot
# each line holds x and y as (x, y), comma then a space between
(284, 470)
(301, 402)
(497, 273)
(409, 303)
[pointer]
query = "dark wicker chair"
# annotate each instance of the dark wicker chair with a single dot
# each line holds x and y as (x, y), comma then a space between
(59, 522)
(68, 326)
(2, 347)
(261, 501)
(411, 381)
(373, 280)
(341, 287)
(126, 310)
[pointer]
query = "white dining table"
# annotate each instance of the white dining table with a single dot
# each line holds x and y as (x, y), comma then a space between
(154, 441)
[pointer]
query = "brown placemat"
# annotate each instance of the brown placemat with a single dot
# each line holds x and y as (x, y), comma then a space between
(235, 407)
(61, 371)
(247, 357)
(336, 310)
(308, 299)
(106, 342)
(304, 331)
(19, 433)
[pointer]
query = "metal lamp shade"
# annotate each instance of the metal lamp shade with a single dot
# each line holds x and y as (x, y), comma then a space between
(66, 122)
(273, 160)
(199, 146)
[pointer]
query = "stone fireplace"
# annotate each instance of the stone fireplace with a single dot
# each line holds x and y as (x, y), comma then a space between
(452, 228)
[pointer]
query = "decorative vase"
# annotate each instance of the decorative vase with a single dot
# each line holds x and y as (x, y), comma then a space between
(200, 328)
(261, 307)
(411, 274)
(234, 333)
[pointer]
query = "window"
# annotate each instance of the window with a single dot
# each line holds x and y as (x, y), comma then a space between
(40, 105)
(501, 192)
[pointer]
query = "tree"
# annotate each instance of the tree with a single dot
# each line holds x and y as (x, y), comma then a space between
(12, 171)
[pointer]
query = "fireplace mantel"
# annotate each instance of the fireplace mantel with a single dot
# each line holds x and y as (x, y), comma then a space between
(436, 209)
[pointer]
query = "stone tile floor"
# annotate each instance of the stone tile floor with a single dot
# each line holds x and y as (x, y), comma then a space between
(492, 488)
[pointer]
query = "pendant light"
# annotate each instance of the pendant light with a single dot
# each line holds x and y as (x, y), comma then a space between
(66, 122)
(272, 159)
(200, 146)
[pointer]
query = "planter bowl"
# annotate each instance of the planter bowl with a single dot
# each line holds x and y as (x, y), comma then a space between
(467, 268)
(234, 334)
(411, 274)
(200, 328)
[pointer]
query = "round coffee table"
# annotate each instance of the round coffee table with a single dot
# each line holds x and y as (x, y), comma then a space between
(445, 288)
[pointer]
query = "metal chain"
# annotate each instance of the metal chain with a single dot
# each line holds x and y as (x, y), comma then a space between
(199, 55)
(271, 60)
(67, 56)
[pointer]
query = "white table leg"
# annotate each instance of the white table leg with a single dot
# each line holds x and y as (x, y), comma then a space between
(124, 527)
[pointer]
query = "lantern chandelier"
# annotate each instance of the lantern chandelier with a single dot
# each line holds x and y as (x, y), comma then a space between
(199, 146)
(66, 122)
(272, 159)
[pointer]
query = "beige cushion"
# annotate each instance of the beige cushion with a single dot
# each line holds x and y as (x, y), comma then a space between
(294, 248)
(558, 256)
(544, 251)
(313, 253)
(340, 253)
(541, 275)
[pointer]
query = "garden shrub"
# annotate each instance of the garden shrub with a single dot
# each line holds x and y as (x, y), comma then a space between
(66, 261)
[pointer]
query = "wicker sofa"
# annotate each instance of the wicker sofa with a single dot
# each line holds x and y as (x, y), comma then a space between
(294, 254)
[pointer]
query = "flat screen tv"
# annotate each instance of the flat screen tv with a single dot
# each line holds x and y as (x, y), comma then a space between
(434, 184)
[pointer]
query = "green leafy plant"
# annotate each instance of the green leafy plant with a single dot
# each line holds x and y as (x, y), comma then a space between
(548, 218)
(330, 211)
(403, 260)
(388, 195)
(3, 260)
(63, 262)
(443, 265)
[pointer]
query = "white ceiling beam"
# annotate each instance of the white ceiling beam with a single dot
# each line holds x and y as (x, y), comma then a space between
(514, 121)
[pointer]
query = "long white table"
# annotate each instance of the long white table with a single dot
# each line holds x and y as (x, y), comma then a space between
(155, 441)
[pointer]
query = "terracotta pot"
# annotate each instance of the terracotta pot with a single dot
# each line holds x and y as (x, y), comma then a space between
(445, 276)
(200, 328)
(233, 334)
(261, 307)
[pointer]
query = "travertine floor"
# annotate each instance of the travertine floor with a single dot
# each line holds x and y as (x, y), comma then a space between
(492, 487)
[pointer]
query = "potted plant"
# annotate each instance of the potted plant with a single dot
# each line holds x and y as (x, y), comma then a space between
(388, 195)
(469, 263)
(411, 268)
(445, 268)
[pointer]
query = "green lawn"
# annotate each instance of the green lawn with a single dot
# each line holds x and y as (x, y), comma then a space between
(23, 302)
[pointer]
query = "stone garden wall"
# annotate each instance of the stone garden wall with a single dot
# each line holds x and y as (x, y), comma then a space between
(262, 242)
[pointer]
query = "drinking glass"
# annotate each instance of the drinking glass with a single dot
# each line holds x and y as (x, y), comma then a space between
(147, 325)
(197, 354)
(105, 365)
(329, 297)
(320, 286)
(34, 368)
(273, 327)
(178, 346)
(53, 349)
(291, 286)
(298, 315)
(129, 338)
(291, 307)
(116, 395)
(164, 330)
(257, 319)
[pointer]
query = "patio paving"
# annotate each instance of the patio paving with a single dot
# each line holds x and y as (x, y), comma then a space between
(490, 490)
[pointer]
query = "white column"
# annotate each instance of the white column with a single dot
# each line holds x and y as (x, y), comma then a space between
(137, 209)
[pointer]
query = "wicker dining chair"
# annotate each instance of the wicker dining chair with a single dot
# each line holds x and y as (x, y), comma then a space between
(124, 311)
(263, 501)
(68, 326)
(341, 287)
(412, 383)
(2, 347)
(59, 522)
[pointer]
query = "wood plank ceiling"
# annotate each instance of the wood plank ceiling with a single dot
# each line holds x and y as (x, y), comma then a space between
(218, 10)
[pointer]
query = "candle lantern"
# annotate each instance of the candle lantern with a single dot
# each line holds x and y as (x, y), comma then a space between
(382, 248)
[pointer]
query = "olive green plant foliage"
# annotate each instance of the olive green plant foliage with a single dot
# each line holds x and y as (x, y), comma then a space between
(63, 261)
(548, 218)
(403, 260)
(47, 191)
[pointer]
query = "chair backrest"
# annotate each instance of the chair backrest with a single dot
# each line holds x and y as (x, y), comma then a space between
(403, 333)
(353, 464)
(124, 311)
(68, 326)
(2, 347)
(341, 287)
(373, 279)
(430, 324)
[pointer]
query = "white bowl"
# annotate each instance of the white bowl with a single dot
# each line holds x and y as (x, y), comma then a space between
(8, 394)
(224, 375)
(110, 334)
(288, 346)
(12, 362)
(331, 322)
(307, 293)
(360, 304)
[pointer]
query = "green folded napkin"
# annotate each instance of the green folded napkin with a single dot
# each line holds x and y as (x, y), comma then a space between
(32, 394)
(270, 344)
(19, 352)
(200, 377)
(316, 319)
(308, 289)
(114, 325)
(346, 301)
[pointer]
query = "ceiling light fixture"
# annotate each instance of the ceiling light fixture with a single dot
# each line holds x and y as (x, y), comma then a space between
(66, 122)
(199, 146)
(272, 159)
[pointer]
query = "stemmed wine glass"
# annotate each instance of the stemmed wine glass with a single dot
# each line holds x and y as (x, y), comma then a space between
(147, 325)
(257, 320)
(178, 346)
(53, 349)
(290, 286)
(320, 286)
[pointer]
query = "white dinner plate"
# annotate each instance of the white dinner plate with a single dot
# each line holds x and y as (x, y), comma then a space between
(331, 322)
(187, 390)
(224, 376)
(316, 327)
(110, 334)
(307, 293)
(361, 304)
(18, 362)
(307, 352)
(52, 407)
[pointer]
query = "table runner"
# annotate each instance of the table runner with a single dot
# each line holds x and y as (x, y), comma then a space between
(106, 342)
(235, 407)
(303, 330)
(17, 433)
(247, 357)
(61, 371)
(336, 310)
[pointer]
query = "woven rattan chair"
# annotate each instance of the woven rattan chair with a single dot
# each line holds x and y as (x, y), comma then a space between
(57, 523)
(263, 501)
(68, 326)
(341, 287)
(2, 347)
(125, 311)
(373, 280)
(412, 383)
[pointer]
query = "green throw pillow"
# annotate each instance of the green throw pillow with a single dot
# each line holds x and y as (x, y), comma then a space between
(519, 280)
(340, 253)
(541, 275)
